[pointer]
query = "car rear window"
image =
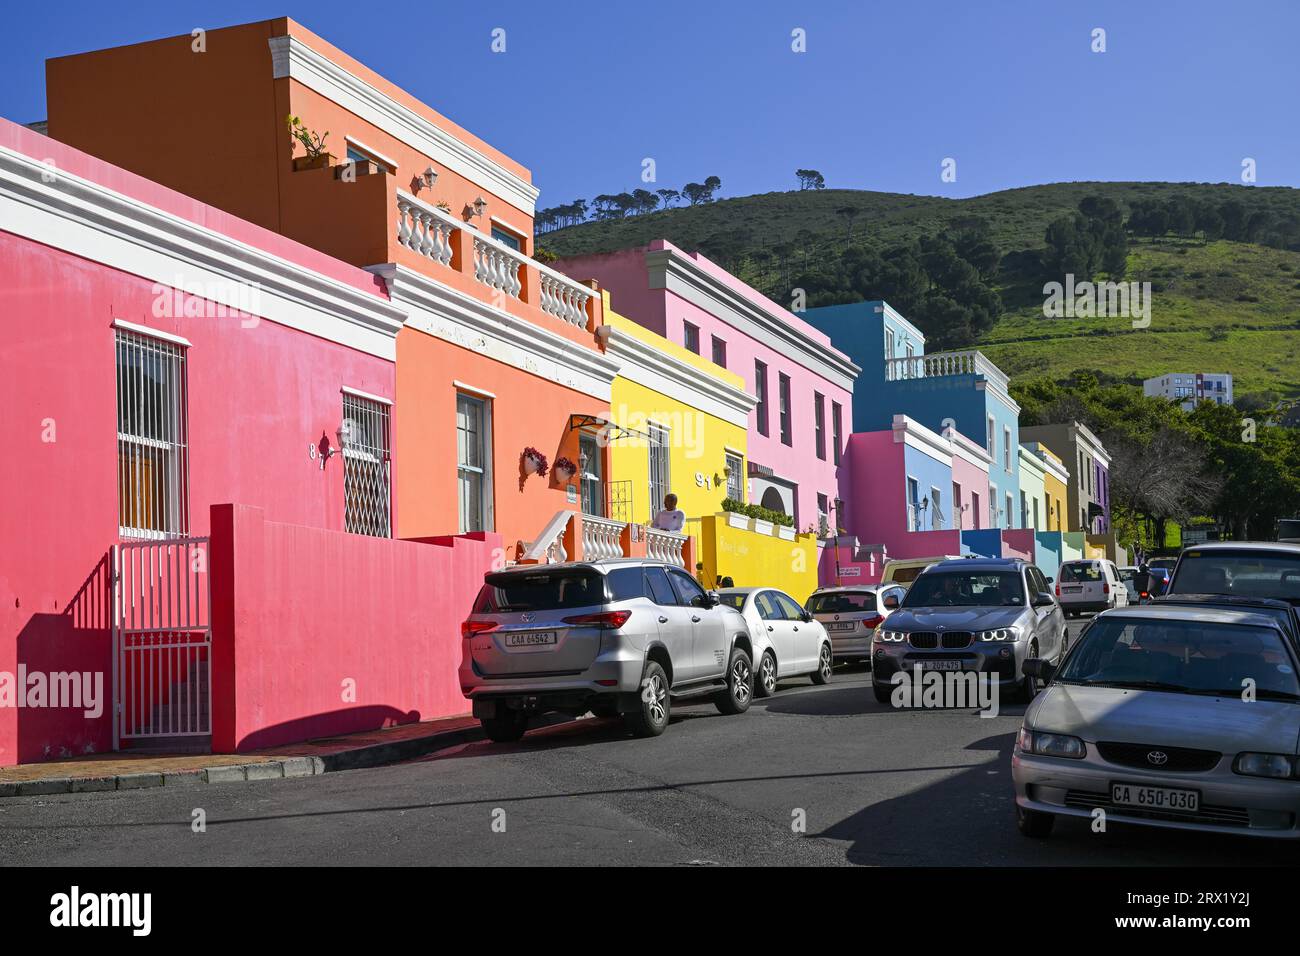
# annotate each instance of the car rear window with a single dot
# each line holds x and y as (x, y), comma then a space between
(842, 602)
(903, 575)
(732, 600)
(1080, 573)
(540, 591)
(1247, 573)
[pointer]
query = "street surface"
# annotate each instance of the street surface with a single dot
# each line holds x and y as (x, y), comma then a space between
(876, 787)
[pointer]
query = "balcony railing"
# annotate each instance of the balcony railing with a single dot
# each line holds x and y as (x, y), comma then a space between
(601, 538)
(431, 232)
(665, 546)
(968, 362)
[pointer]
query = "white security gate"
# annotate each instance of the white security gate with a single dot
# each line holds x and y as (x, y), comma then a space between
(162, 640)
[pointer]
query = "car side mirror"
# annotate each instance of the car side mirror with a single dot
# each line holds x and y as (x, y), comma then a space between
(1038, 668)
(806, 617)
(891, 603)
(712, 599)
(1043, 599)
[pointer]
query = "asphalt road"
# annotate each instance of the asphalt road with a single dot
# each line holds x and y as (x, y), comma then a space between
(875, 786)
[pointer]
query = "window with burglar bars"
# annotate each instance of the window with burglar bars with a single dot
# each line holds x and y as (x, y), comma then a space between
(735, 477)
(366, 461)
(659, 472)
(152, 437)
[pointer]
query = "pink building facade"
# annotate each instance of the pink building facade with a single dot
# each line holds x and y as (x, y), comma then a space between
(801, 424)
(160, 357)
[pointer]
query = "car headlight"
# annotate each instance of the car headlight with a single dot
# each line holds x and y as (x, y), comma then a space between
(1265, 765)
(1051, 745)
(999, 634)
(892, 637)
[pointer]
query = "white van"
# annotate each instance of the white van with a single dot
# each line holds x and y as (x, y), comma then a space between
(905, 570)
(1091, 584)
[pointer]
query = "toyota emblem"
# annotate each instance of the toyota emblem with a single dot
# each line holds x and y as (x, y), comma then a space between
(527, 617)
(1157, 758)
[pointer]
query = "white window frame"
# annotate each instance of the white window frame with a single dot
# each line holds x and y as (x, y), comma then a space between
(660, 485)
(736, 478)
(1010, 510)
(1006, 448)
(936, 509)
(486, 493)
(160, 435)
(367, 464)
(991, 437)
(912, 492)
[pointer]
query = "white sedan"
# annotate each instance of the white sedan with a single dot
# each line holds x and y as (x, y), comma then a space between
(788, 642)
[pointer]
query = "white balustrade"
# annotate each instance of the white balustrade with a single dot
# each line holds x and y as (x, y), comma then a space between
(967, 362)
(665, 546)
(564, 298)
(601, 538)
(425, 229)
(497, 266)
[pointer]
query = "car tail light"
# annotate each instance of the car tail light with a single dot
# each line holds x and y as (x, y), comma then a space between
(1143, 594)
(611, 619)
(872, 622)
(1105, 588)
(470, 628)
(1058, 588)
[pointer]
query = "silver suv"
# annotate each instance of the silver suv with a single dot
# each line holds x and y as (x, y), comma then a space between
(988, 615)
(622, 636)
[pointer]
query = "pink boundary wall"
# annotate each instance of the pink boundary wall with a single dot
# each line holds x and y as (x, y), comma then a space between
(298, 613)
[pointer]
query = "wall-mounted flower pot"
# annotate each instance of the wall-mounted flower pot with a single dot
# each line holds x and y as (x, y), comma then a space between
(312, 162)
(532, 465)
(763, 527)
(564, 475)
(785, 532)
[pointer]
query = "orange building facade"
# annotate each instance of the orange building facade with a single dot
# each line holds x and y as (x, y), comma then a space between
(499, 353)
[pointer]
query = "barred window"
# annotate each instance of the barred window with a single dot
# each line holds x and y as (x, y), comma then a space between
(735, 477)
(660, 472)
(152, 437)
(367, 457)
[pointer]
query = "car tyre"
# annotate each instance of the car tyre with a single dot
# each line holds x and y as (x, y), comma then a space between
(884, 693)
(765, 680)
(505, 728)
(1028, 689)
(822, 674)
(1034, 823)
(740, 685)
(650, 719)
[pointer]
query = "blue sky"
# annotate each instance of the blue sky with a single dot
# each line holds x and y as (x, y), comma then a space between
(585, 91)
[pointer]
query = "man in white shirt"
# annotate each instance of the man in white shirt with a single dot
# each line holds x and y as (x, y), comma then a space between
(669, 519)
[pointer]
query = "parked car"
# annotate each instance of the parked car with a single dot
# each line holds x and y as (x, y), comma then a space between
(1267, 569)
(1148, 719)
(1090, 584)
(1285, 613)
(852, 614)
(787, 641)
(622, 636)
(906, 570)
(972, 614)
(1126, 577)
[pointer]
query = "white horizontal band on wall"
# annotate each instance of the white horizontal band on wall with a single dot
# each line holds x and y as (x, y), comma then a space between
(152, 333)
(357, 393)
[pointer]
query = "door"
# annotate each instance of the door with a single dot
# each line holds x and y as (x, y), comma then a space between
(708, 635)
(675, 628)
(806, 636)
(779, 632)
(1049, 624)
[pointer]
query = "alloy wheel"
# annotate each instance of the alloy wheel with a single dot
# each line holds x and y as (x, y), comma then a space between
(740, 681)
(767, 673)
(824, 662)
(658, 713)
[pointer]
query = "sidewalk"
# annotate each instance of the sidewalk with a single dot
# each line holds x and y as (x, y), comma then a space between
(129, 770)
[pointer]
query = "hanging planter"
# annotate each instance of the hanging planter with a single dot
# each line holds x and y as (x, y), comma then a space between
(565, 470)
(533, 462)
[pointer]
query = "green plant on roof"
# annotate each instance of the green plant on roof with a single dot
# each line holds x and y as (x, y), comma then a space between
(315, 145)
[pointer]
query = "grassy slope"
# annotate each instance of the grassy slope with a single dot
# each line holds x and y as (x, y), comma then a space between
(1197, 288)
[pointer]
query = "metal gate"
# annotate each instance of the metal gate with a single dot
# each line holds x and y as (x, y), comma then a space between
(162, 640)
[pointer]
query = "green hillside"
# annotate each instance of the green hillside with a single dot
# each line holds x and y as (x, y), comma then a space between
(1217, 305)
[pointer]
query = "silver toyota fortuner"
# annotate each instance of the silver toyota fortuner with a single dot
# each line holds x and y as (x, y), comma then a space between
(622, 636)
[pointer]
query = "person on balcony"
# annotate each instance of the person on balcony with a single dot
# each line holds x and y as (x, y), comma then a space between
(669, 518)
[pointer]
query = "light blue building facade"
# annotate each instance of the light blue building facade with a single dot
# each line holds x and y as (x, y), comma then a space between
(962, 389)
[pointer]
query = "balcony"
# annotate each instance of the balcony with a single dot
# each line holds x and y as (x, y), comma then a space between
(939, 364)
(500, 273)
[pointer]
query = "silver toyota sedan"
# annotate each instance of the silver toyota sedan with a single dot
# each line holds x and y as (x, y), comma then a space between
(1181, 717)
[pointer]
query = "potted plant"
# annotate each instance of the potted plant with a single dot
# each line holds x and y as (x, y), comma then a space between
(533, 462)
(565, 470)
(314, 144)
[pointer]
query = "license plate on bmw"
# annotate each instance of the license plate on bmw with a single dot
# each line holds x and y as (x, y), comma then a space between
(842, 626)
(940, 665)
(532, 638)
(1155, 798)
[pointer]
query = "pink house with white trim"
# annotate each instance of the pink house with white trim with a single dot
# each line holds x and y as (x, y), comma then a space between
(800, 427)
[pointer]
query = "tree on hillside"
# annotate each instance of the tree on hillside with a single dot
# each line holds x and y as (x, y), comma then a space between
(848, 214)
(669, 196)
(697, 193)
(810, 179)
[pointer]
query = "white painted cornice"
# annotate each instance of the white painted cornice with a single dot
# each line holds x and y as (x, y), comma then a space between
(646, 365)
(671, 270)
(471, 323)
(292, 58)
(81, 217)
(909, 431)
